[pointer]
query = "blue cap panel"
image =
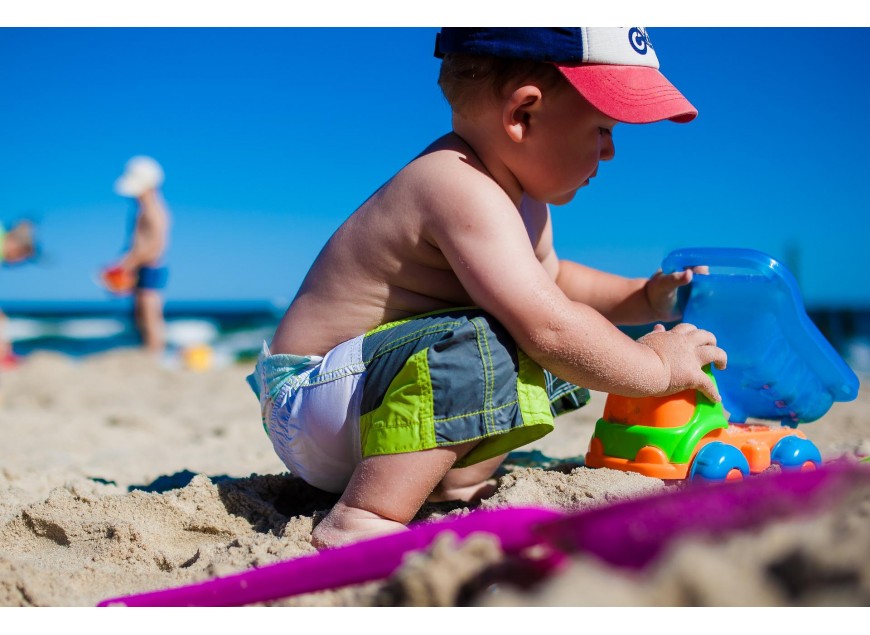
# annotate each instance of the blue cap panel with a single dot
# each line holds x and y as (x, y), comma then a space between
(552, 44)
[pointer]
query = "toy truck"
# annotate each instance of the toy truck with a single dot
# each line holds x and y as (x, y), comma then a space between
(780, 368)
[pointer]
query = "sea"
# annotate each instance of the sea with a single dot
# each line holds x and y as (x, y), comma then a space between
(235, 330)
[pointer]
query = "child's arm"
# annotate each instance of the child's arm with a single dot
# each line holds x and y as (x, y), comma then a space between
(481, 234)
(624, 300)
(621, 300)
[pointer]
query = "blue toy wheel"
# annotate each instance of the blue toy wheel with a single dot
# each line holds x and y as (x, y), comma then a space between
(792, 452)
(715, 461)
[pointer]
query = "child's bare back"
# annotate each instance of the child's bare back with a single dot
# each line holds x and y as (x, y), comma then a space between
(384, 264)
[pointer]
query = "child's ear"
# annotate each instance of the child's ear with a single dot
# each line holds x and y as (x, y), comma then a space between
(519, 109)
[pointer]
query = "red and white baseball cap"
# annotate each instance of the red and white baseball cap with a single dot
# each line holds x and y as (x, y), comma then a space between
(615, 68)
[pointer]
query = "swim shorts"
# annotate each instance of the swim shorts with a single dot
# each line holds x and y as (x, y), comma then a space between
(152, 277)
(435, 380)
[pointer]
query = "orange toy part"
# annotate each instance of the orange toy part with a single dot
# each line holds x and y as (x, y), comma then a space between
(755, 441)
(734, 475)
(650, 461)
(118, 280)
(657, 412)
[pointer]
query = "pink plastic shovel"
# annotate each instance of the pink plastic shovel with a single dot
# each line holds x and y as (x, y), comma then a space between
(629, 534)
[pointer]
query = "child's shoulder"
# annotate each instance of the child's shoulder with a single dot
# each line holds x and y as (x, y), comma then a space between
(448, 175)
(442, 160)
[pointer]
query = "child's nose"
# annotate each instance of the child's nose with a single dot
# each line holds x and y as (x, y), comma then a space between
(608, 150)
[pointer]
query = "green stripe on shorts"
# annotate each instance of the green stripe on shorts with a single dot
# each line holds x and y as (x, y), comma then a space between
(404, 422)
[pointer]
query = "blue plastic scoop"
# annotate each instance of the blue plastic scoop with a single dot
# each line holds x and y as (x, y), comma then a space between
(780, 366)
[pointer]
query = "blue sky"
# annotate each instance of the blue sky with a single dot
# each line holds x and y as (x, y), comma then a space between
(271, 137)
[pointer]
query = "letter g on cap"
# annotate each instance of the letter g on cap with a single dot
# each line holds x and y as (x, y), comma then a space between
(639, 40)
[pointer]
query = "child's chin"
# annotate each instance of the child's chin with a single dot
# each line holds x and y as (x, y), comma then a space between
(564, 198)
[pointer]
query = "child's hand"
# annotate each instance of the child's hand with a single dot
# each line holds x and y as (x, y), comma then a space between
(661, 292)
(684, 351)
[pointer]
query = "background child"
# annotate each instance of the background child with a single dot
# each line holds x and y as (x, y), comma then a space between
(17, 245)
(17, 242)
(438, 330)
(142, 263)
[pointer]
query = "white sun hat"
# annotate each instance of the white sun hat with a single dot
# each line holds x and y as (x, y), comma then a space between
(140, 175)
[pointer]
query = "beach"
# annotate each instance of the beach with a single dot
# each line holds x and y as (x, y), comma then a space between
(120, 475)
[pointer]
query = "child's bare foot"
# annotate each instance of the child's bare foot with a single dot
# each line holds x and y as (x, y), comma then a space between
(345, 524)
(386, 491)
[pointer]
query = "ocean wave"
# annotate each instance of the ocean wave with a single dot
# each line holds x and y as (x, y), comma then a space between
(90, 328)
(19, 329)
(229, 336)
(23, 329)
(191, 332)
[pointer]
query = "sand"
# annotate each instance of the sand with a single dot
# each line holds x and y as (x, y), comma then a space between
(119, 475)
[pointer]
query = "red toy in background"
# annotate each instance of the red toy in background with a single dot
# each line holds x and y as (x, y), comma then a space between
(9, 360)
(118, 280)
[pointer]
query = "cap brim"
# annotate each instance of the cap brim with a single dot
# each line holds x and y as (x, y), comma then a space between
(129, 186)
(122, 186)
(630, 94)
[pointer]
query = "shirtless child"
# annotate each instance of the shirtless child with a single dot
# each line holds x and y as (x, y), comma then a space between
(142, 261)
(438, 330)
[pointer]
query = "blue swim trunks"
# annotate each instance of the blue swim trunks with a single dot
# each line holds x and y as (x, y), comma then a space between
(435, 380)
(152, 277)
